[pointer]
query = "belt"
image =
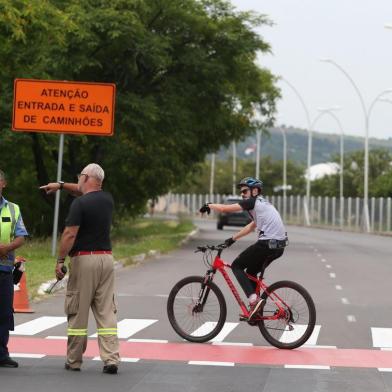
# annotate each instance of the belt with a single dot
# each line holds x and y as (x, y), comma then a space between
(91, 252)
(274, 244)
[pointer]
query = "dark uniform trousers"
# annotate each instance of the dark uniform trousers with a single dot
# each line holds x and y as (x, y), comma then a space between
(6, 311)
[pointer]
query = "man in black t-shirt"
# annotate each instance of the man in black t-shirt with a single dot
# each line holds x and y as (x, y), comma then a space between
(86, 239)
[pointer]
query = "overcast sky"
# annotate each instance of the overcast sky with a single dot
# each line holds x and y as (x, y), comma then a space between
(352, 33)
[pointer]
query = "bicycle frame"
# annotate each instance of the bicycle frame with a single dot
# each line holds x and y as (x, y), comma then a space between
(219, 265)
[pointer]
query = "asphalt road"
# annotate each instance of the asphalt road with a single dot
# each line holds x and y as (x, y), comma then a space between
(347, 275)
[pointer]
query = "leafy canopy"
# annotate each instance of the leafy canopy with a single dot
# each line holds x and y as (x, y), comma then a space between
(186, 80)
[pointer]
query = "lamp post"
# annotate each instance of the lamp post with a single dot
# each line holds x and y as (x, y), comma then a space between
(258, 148)
(284, 172)
(330, 112)
(212, 176)
(234, 166)
(366, 113)
(298, 95)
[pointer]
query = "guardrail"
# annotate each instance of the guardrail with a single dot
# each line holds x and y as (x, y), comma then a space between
(332, 212)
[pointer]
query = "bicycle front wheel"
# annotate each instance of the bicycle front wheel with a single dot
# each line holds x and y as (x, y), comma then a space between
(290, 324)
(196, 311)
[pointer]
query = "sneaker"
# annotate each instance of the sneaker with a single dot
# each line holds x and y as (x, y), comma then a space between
(110, 369)
(8, 363)
(255, 307)
(67, 366)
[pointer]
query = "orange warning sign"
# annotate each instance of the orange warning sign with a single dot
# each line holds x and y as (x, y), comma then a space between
(63, 107)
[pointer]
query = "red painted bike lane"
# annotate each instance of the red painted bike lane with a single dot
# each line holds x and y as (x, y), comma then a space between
(354, 358)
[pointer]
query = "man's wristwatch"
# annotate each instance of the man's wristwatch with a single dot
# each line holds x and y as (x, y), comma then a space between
(61, 183)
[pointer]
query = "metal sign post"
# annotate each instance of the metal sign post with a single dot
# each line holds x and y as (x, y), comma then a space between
(57, 201)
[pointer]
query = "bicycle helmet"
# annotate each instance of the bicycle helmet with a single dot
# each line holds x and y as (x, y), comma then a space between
(250, 182)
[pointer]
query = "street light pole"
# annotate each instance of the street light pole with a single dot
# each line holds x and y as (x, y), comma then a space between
(258, 148)
(366, 158)
(212, 175)
(234, 166)
(306, 204)
(330, 112)
(284, 172)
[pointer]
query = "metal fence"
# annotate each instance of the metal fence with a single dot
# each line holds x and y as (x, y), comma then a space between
(345, 213)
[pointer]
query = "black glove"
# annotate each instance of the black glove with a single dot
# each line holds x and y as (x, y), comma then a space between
(205, 208)
(230, 241)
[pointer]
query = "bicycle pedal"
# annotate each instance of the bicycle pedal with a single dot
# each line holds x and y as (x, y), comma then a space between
(243, 318)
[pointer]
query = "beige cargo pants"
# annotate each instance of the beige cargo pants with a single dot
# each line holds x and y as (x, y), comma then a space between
(91, 284)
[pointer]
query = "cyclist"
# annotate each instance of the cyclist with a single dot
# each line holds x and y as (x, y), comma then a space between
(272, 237)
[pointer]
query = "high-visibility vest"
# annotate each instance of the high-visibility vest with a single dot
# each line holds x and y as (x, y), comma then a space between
(9, 216)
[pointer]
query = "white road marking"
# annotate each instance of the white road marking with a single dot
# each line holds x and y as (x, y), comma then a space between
(316, 367)
(318, 346)
(328, 266)
(209, 325)
(323, 260)
(129, 327)
(338, 287)
(210, 363)
(384, 369)
(38, 325)
(147, 341)
(232, 344)
(351, 318)
(57, 337)
(332, 275)
(382, 337)
(297, 332)
(345, 301)
(22, 355)
(125, 359)
(319, 255)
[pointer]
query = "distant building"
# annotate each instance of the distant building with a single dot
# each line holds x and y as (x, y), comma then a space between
(321, 170)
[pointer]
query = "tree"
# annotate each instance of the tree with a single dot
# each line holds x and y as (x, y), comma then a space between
(353, 176)
(186, 84)
(198, 180)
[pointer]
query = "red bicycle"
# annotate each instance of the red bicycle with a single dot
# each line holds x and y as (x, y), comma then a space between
(197, 309)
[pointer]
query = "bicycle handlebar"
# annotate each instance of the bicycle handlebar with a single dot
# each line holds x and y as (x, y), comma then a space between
(204, 249)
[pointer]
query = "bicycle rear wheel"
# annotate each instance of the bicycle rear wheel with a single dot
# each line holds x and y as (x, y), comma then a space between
(196, 311)
(295, 322)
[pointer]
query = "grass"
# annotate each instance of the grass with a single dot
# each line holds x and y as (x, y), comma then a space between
(129, 238)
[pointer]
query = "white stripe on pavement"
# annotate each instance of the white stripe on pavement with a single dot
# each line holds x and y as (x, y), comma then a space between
(147, 341)
(316, 367)
(210, 325)
(232, 344)
(129, 327)
(22, 355)
(38, 325)
(298, 331)
(211, 363)
(382, 337)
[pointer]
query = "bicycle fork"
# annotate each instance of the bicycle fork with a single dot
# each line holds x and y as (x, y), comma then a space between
(204, 291)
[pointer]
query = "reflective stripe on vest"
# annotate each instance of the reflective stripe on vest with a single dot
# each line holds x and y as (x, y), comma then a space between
(9, 216)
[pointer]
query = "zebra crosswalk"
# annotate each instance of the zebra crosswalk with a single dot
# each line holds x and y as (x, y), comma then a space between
(142, 330)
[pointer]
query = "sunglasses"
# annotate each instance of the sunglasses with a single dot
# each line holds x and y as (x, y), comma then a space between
(244, 191)
(81, 174)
